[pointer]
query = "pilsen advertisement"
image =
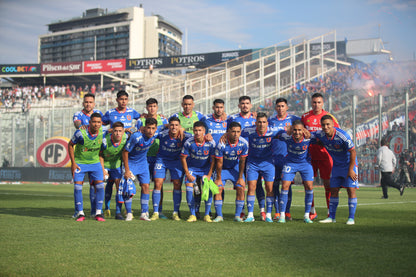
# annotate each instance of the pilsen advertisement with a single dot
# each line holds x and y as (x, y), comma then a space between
(11, 69)
(197, 60)
(105, 65)
(57, 68)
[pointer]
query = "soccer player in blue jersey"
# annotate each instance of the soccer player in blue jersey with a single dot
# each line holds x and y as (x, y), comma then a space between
(216, 123)
(121, 113)
(230, 165)
(260, 163)
(85, 159)
(280, 120)
(344, 171)
(297, 160)
(168, 157)
(152, 108)
(198, 160)
(135, 161)
(110, 158)
(82, 118)
(246, 118)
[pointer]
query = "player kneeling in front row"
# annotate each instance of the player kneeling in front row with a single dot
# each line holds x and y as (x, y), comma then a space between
(85, 159)
(110, 158)
(344, 172)
(297, 160)
(198, 161)
(231, 160)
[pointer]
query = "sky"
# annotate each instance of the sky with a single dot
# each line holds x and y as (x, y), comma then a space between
(221, 25)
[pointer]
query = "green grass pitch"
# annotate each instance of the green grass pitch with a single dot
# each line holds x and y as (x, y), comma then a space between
(38, 237)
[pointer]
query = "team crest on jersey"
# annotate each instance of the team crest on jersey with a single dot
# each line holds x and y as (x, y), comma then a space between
(224, 124)
(268, 139)
(239, 152)
(206, 152)
(129, 117)
(337, 146)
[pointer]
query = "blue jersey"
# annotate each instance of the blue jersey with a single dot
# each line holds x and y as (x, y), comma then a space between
(260, 146)
(297, 152)
(83, 117)
(170, 148)
(138, 145)
(216, 127)
(231, 153)
(198, 155)
(244, 121)
(114, 115)
(338, 146)
(279, 147)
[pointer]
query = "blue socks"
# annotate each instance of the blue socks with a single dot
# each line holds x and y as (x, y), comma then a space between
(144, 202)
(239, 206)
(308, 200)
(108, 194)
(218, 207)
(352, 206)
(283, 201)
(156, 200)
(333, 205)
(78, 198)
(177, 198)
(250, 203)
(190, 199)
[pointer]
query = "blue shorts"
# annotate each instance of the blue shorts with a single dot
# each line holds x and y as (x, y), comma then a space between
(175, 169)
(197, 173)
(339, 178)
(114, 173)
(230, 174)
(263, 168)
(95, 172)
(141, 171)
(305, 169)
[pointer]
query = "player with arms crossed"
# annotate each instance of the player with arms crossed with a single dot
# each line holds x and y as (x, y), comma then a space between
(230, 164)
(320, 158)
(260, 163)
(134, 158)
(297, 160)
(344, 172)
(110, 158)
(85, 159)
(168, 157)
(198, 160)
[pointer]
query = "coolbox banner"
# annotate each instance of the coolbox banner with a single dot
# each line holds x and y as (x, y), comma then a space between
(35, 174)
(369, 130)
(56, 68)
(11, 69)
(197, 60)
(105, 65)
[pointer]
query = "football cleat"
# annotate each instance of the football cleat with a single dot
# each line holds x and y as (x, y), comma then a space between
(192, 218)
(80, 216)
(288, 216)
(249, 219)
(263, 216)
(155, 216)
(238, 219)
(99, 217)
(268, 219)
(281, 220)
(312, 216)
(207, 218)
(242, 215)
(307, 220)
(162, 216)
(327, 220)
(350, 221)
(175, 217)
(276, 216)
(129, 217)
(119, 217)
(144, 217)
(218, 219)
(107, 213)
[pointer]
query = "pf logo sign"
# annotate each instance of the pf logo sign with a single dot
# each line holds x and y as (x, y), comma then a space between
(54, 152)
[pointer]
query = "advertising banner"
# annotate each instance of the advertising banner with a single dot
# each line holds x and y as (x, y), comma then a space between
(197, 60)
(105, 65)
(35, 174)
(11, 69)
(56, 68)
